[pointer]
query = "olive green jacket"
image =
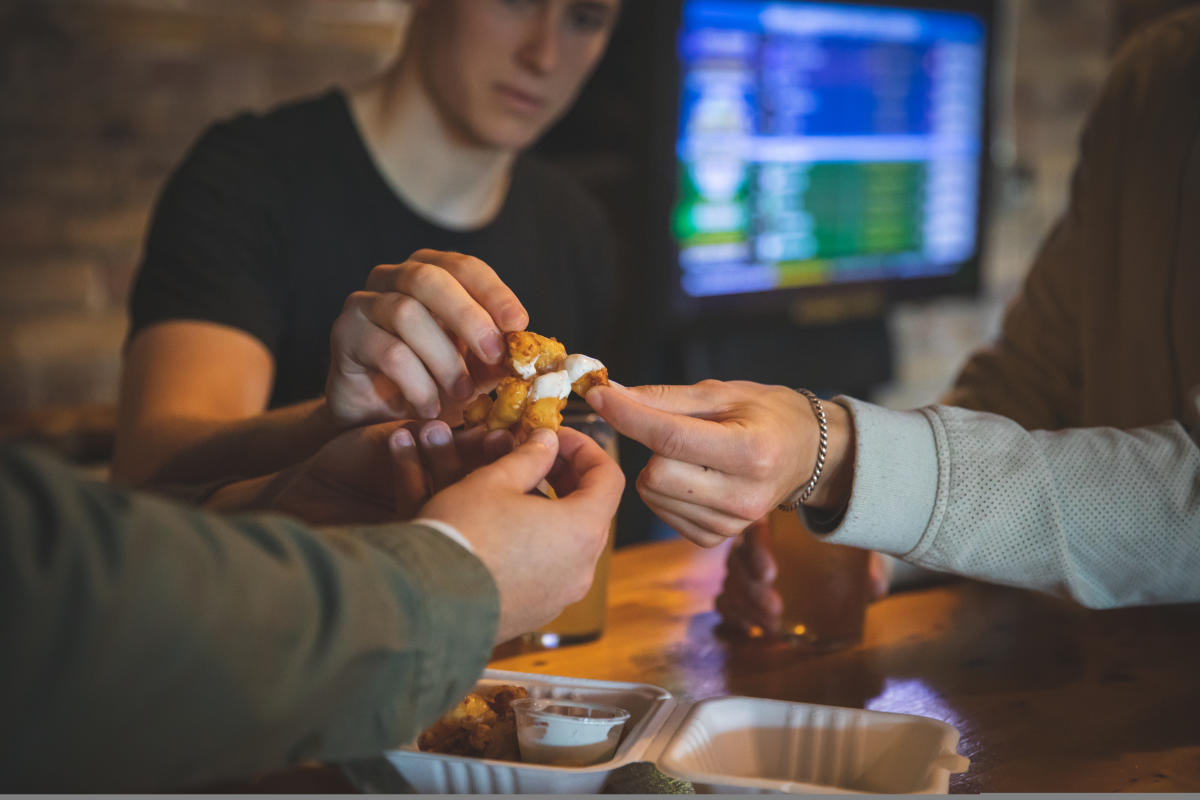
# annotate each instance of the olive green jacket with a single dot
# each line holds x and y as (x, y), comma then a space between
(148, 646)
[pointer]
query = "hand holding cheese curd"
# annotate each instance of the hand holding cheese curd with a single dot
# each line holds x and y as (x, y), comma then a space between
(541, 552)
(421, 341)
(726, 453)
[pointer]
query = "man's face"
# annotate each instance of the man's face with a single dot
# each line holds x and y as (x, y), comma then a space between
(502, 71)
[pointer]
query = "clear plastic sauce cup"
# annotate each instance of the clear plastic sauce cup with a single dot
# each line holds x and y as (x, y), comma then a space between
(565, 733)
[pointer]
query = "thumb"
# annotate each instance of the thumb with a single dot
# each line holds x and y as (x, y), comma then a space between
(697, 400)
(525, 466)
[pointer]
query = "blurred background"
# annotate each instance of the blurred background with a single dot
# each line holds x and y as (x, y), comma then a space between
(101, 98)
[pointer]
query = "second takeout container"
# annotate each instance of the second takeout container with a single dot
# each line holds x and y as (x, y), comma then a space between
(720, 745)
(724, 744)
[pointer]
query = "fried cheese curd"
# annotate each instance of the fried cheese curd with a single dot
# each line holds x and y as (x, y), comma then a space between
(506, 411)
(535, 395)
(482, 725)
(547, 399)
(476, 412)
(532, 354)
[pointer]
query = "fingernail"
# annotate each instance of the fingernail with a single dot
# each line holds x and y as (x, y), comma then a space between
(493, 346)
(401, 439)
(464, 388)
(543, 436)
(437, 435)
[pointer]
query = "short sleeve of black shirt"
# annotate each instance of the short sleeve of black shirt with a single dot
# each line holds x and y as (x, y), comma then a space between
(273, 220)
(213, 250)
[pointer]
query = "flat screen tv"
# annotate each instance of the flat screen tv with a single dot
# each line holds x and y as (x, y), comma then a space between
(821, 145)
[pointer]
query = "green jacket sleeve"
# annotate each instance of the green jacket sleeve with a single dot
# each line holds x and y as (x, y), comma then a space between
(150, 646)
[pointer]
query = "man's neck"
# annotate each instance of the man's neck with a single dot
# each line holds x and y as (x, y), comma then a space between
(444, 177)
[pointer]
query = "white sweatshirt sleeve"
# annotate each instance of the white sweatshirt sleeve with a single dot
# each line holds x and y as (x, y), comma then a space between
(1109, 517)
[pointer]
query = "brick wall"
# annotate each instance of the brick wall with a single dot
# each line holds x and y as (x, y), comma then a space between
(102, 97)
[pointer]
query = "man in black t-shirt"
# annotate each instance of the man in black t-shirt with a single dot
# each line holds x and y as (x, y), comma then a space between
(268, 237)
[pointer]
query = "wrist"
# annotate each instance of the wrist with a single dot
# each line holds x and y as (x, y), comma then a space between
(832, 491)
(826, 486)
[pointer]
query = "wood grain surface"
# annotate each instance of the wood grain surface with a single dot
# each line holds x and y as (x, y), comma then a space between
(1048, 696)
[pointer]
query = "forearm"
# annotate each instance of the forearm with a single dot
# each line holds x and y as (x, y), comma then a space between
(153, 647)
(1107, 517)
(162, 451)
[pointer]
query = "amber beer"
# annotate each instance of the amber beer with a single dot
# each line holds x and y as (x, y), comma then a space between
(825, 587)
(584, 621)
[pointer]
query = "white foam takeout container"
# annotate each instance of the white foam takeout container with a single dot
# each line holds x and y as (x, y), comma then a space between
(724, 744)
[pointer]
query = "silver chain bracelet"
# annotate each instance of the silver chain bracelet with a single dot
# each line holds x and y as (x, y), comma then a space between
(807, 490)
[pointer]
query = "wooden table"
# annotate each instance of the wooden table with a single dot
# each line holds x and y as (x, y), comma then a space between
(1049, 697)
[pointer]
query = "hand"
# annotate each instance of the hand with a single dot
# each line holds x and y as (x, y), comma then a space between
(726, 453)
(748, 598)
(540, 552)
(422, 340)
(380, 473)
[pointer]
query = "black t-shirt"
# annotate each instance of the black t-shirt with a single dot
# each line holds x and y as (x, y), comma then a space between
(273, 220)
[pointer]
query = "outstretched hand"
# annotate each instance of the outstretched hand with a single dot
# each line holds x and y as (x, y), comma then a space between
(725, 453)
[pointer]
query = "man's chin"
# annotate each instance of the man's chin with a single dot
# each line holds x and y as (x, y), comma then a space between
(510, 134)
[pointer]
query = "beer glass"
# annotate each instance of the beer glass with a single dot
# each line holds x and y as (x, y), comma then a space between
(584, 620)
(825, 587)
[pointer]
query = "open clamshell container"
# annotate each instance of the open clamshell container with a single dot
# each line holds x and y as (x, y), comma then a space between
(724, 744)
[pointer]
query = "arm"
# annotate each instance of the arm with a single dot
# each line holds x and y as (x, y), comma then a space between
(207, 311)
(1034, 371)
(209, 307)
(1105, 516)
(193, 393)
(135, 660)
(191, 410)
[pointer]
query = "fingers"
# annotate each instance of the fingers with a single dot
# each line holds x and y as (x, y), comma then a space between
(441, 454)
(732, 615)
(734, 495)
(689, 530)
(676, 436)
(597, 477)
(525, 466)
(753, 556)
(757, 596)
(412, 323)
(361, 346)
(703, 399)
(879, 575)
(497, 444)
(708, 519)
(736, 611)
(408, 474)
(483, 284)
(461, 291)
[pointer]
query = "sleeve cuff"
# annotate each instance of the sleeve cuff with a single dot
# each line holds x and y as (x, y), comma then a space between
(895, 480)
(447, 530)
